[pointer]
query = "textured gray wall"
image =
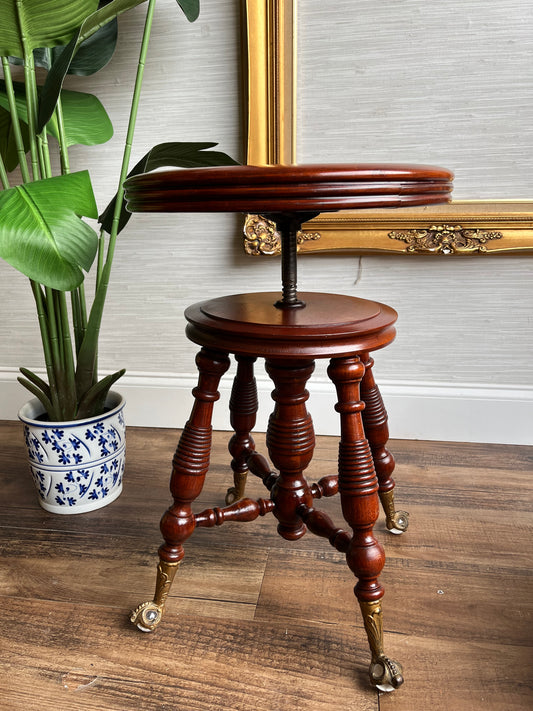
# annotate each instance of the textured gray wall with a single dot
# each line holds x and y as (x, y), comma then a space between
(449, 83)
(444, 83)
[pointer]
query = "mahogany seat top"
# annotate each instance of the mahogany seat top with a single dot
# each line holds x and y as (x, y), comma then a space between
(330, 325)
(285, 189)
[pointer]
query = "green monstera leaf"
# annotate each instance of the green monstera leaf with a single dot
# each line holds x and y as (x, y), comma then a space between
(191, 8)
(41, 233)
(95, 52)
(85, 119)
(30, 24)
(8, 145)
(91, 56)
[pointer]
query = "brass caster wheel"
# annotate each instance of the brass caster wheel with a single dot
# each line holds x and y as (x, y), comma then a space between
(147, 616)
(232, 495)
(236, 492)
(399, 522)
(385, 674)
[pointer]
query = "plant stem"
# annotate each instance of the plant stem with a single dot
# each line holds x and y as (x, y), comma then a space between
(66, 356)
(15, 121)
(131, 125)
(63, 147)
(88, 352)
(31, 104)
(100, 258)
(45, 338)
(79, 315)
(52, 344)
(3, 174)
(31, 92)
(42, 141)
(44, 155)
(75, 306)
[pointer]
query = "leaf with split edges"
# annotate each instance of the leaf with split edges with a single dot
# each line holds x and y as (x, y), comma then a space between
(41, 233)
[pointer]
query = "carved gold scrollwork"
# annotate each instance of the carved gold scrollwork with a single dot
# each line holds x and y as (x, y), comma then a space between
(385, 673)
(372, 618)
(445, 239)
(261, 236)
(148, 615)
(397, 521)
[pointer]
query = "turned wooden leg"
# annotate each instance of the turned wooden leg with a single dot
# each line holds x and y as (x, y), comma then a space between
(377, 432)
(189, 467)
(291, 441)
(358, 488)
(243, 409)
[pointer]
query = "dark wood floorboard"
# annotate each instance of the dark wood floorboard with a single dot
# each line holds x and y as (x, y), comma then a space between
(258, 624)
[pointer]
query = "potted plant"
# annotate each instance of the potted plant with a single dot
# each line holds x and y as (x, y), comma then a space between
(43, 233)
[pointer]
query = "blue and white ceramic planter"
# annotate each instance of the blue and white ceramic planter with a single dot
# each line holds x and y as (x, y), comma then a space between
(76, 466)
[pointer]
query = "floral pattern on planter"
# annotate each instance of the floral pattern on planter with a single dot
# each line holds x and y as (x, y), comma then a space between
(77, 466)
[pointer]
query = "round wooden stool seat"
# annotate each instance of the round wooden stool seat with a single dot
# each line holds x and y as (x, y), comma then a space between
(329, 325)
(290, 195)
(283, 189)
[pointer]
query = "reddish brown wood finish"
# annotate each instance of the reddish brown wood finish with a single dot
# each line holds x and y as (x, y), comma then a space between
(290, 334)
(191, 460)
(358, 484)
(375, 422)
(250, 326)
(243, 408)
(291, 442)
(329, 325)
(283, 189)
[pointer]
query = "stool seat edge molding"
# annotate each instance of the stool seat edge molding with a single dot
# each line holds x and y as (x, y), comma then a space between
(288, 188)
(329, 325)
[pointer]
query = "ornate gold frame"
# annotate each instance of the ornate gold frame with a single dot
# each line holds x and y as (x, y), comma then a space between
(462, 227)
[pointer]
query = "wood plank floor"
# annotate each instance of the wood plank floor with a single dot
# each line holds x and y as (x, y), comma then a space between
(255, 623)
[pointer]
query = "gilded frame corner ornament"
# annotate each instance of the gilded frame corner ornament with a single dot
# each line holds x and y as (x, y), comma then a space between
(461, 227)
(262, 238)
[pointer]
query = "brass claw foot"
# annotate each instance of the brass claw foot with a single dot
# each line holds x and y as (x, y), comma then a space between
(236, 493)
(397, 521)
(232, 495)
(147, 616)
(385, 674)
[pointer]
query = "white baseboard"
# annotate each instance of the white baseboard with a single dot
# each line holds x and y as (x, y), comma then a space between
(444, 412)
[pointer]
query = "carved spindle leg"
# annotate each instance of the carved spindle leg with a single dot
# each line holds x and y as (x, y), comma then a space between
(290, 441)
(377, 431)
(189, 467)
(243, 409)
(358, 487)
